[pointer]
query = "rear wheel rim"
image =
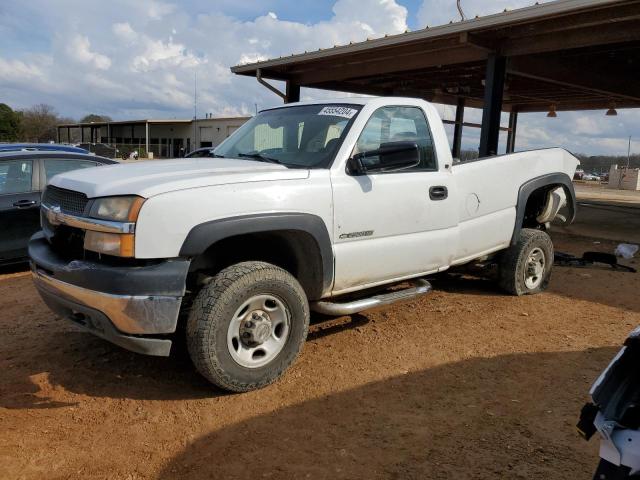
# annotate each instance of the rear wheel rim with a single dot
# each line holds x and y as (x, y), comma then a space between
(534, 268)
(258, 331)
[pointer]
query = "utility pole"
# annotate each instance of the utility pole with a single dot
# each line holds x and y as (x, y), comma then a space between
(629, 152)
(195, 111)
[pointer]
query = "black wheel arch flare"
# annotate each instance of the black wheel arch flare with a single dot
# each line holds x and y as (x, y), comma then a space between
(204, 235)
(558, 179)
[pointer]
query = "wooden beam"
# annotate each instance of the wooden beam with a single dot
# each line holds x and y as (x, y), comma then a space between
(588, 19)
(475, 41)
(471, 124)
(573, 106)
(560, 71)
(604, 34)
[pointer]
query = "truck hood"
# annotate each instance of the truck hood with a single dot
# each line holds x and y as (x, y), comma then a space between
(149, 178)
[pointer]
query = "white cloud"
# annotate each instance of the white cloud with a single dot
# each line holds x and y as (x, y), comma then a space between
(159, 55)
(17, 71)
(124, 31)
(252, 57)
(79, 49)
(373, 16)
(156, 9)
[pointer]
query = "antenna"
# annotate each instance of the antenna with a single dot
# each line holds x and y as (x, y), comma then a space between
(462, 16)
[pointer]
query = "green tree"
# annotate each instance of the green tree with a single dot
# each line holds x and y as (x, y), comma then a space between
(39, 124)
(92, 117)
(9, 124)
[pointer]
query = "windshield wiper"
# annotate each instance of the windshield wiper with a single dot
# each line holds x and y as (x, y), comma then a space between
(260, 157)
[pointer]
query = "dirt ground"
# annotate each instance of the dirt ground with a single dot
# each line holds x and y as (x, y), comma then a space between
(464, 383)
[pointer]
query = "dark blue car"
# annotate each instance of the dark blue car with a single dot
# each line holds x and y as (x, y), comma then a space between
(23, 176)
(49, 147)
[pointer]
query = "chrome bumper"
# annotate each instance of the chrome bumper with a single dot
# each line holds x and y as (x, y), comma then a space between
(129, 314)
(55, 217)
(124, 304)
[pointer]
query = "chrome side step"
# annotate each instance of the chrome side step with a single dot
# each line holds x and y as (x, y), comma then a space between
(420, 287)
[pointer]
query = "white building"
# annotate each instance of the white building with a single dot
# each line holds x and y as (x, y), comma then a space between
(624, 178)
(161, 138)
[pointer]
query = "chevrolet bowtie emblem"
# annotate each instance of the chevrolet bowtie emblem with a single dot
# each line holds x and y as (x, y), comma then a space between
(52, 214)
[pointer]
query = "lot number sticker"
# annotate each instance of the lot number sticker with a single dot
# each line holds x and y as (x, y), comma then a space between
(338, 112)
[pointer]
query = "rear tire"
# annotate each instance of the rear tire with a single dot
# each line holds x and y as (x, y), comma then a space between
(525, 268)
(247, 326)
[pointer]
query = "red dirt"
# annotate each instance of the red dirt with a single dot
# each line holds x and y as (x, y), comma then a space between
(465, 383)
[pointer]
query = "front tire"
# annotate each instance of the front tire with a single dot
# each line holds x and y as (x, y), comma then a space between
(247, 326)
(525, 268)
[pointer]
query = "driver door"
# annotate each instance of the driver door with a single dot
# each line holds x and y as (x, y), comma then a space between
(392, 225)
(19, 207)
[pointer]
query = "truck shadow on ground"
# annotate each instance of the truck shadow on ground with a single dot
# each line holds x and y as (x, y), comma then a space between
(82, 363)
(599, 284)
(509, 416)
(14, 268)
(467, 284)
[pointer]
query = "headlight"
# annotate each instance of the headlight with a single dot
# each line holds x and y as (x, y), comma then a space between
(117, 209)
(118, 244)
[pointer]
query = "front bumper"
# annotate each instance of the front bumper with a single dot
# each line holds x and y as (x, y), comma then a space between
(122, 304)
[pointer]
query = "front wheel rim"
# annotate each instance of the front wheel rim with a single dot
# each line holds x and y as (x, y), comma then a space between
(534, 268)
(258, 331)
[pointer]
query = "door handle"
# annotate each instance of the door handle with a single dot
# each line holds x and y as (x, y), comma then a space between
(24, 203)
(438, 193)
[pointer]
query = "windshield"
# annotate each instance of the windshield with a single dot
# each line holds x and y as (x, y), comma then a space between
(307, 136)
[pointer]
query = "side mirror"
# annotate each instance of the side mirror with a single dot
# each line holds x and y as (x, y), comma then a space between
(390, 157)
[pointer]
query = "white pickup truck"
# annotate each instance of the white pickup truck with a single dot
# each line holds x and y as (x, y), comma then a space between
(309, 206)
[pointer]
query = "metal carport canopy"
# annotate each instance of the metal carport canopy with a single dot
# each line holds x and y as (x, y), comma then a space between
(562, 55)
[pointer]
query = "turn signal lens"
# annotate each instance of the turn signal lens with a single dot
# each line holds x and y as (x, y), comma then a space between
(118, 244)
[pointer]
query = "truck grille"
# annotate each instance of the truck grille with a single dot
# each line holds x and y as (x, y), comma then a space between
(69, 201)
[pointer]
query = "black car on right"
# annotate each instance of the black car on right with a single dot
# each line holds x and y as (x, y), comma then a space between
(201, 152)
(614, 414)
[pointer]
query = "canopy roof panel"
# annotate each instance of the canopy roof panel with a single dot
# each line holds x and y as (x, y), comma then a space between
(573, 54)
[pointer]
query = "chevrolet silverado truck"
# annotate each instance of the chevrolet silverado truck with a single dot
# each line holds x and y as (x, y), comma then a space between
(332, 206)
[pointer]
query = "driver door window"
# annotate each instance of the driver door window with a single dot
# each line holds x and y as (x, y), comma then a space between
(15, 176)
(398, 124)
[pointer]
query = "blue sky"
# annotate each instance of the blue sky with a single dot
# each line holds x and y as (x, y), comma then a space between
(137, 58)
